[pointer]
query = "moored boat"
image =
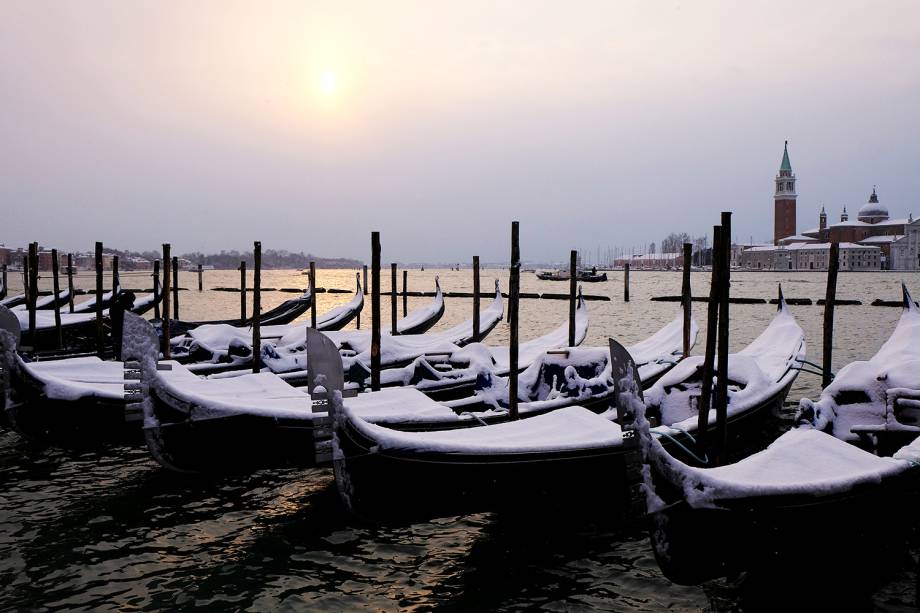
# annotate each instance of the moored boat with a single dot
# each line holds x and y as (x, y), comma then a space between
(832, 494)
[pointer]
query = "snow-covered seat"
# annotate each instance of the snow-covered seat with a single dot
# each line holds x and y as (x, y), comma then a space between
(572, 428)
(801, 461)
(398, 405)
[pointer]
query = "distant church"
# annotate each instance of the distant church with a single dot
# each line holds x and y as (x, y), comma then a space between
(872, 241)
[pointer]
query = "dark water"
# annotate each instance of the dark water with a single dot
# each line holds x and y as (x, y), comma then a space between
(108, 529)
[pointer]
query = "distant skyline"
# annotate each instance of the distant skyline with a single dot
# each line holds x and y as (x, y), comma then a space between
(306, 126)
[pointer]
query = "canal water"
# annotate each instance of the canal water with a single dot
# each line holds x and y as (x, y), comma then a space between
(108, 529)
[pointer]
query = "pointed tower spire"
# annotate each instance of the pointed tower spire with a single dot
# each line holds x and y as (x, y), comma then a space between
(785, 164)
(874, 197)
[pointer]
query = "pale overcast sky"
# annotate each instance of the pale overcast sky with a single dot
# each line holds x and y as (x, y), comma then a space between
(308, 124)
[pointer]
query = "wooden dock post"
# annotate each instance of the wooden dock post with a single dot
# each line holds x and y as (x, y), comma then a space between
(721, 395)
(513, 298)
(833, 265)
(573, 289)
(4, 280)
(166, 299)
(200, 278)
(115, 281)
(476, 323)
(375, 311)
(365, 279)
(32, 296)
(313, 295)
(156, 289)
(243, 291)
(712, 319)
(393, 298)
(100, 331)
(70, 287)
(687, 297)
(256, 305)
(626, 282)
(175, 286)
(56, 288)
(363, 290)
(405, 294)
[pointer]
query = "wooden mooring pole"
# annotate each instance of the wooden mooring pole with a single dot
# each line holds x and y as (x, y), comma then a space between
(56, 288)
(712, 319)
(626, 282)
(256, 305)
(70, 288)
(393, 298)
(573, 288)
(405, 292)
(476, 323)
(365, 279)
(721, 396)
(4, 280)
(361, 289)
(175, 286)
(827, 361)
(687, 297)
(32, 296)
(200, 278)
(513, 299)
(115, 280)
(313, 295)
(375, 311)
(156, 289)
(100, 331)
(243, 291)
(167, 263)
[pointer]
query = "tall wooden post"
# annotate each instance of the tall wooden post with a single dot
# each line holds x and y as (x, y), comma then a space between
(687, 297)
(32, 296)
(243, 291)
(200, 278)
(712, 319)
(100, 332)
(573, 289)
(626, 282)
(405, 294)
(830, 296)
(4, 280)
(313, 295)
(115, 279)
(56, 288)
(365, 279)
(513, 297)
(359, 288)
(476, 329)
(393, 298)
(256, 305)
(70, 288)
(375, 311)
(722, 368)
(167, 264)
(175, 287)
(157, 289)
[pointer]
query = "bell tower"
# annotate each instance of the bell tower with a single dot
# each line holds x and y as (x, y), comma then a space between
(784, 200)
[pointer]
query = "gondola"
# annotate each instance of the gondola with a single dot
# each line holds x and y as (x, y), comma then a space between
(383, 471)
(47, 302)
(201, 425)
(89, 306)
(284, 313)
(14, 300)
(833, 494)
(225, 349)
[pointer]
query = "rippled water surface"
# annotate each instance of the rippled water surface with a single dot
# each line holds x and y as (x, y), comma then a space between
(109, 529)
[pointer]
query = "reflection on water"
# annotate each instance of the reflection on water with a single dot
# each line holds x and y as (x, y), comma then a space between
(108, 529)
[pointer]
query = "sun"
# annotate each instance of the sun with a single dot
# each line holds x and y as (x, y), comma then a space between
(328, 82)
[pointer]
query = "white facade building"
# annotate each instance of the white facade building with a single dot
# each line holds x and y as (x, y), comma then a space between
(810, 256)
(905, 252)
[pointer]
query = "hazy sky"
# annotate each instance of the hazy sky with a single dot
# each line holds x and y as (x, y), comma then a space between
(306, 125)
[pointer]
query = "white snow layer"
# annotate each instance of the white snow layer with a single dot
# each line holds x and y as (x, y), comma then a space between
(858, 396)
(755, 373)
(562, 430)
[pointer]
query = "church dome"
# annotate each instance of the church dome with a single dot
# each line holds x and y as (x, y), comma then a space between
(873, 211)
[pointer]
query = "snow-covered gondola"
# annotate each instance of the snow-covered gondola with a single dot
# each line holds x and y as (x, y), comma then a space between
(284, 313)
(47, 302)
(89, 306)
(14, 300)
(448, 471)
(583, 276)
(829, 495)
